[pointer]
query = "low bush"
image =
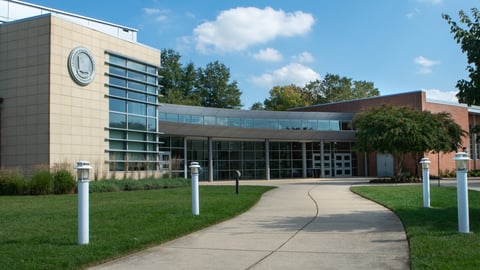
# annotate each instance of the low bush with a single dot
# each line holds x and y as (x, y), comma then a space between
(142, 184)
(63, 182)
(41, 183)
(12, 182)
(474, 173)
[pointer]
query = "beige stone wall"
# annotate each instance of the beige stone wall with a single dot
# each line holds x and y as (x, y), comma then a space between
(46, 117)
(24, 86)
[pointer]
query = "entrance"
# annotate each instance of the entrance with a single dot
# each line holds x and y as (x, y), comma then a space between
(319, 165)
(343, 165)
(384, 165)
(165, 165)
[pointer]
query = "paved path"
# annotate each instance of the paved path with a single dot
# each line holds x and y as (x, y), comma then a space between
(300, 225)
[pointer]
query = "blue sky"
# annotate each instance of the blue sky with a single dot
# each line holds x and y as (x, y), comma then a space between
(399, 45)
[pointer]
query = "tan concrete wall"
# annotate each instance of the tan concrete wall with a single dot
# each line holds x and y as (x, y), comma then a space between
(46, 117)
(24, 58)
(79, 114)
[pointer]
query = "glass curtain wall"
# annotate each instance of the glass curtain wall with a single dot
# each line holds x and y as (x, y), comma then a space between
(133, 131)
(286, 158)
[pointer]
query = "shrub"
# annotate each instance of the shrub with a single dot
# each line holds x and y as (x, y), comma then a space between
(63, 182)
(12, 182)
(41, 183)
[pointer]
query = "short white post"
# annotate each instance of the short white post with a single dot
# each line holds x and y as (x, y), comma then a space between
(83, 172)
(461, 164)
(194, 166)
(426, 181)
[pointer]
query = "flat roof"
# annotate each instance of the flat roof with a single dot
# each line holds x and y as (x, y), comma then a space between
(13, 10)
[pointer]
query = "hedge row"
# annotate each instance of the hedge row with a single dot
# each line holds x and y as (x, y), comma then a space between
(62, 181)
(42, 182)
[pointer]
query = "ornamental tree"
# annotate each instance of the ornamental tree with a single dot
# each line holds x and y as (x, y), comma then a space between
(469, 39)
(403, 130)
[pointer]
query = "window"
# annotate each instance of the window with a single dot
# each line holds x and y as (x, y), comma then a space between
(117, 92)
(136, 65)
(137, 108)
(118, 120)
(117, 81)
(133, 115)
(117, 71)
(136, 75)
(117, 105)
(137, 122)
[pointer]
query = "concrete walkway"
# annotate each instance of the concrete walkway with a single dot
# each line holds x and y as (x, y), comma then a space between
(300, 225)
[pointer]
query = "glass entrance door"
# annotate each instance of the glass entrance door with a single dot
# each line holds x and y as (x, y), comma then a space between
(319, 165)
(343, 164)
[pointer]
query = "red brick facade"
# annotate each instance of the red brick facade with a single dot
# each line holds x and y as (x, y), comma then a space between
(417, 100)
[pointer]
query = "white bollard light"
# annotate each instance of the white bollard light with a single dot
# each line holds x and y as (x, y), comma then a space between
(426, 181)
(461, 164)
(83, 171)
(195, 167)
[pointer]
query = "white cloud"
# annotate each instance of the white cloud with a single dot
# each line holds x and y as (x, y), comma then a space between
(424, 64)
(159, 15)
(268, 55)
(151, 11)
(238, 28)
(293, 73)
(304, 57)
(413, 13)
(433, 2)
(435, 94)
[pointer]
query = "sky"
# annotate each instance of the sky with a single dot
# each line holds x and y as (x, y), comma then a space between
(399, 45)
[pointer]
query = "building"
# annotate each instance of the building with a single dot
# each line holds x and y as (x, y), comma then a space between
(381, 164)
(76, 88)
(259, 144)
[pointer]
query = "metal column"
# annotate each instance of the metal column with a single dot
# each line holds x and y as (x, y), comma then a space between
(185, 161)
(210, 159)
(304, 160)
(267, 159)
(322, 155)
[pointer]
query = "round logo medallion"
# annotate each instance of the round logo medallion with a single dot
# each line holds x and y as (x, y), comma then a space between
(81, 66)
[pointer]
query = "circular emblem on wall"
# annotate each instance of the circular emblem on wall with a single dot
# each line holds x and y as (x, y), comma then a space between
(81, 66)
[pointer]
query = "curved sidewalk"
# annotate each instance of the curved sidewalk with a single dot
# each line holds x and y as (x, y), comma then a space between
(300, 225)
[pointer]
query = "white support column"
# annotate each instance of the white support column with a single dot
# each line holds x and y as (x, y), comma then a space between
(322, 158)
(267, 159)
(185, 161)
(304, 160)
(210, 159)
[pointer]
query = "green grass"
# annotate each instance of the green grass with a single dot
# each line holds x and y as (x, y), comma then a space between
(432, 232)
(40, 232)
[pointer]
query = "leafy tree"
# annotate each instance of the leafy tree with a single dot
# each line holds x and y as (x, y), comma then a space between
(188, 85)
(469, 39)
(403, 130)
(257, 106)
(215, 89)
(284, 97)
(333, 88)
(178, 82)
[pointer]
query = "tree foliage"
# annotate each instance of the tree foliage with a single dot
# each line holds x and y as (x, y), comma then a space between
(284, 97)
(333, 88)
(187, 85)
(215, 89)
(403, 130)
(469, 39)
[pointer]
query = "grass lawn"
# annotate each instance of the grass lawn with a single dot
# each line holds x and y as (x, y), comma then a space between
(40, 232)
(432, 232)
